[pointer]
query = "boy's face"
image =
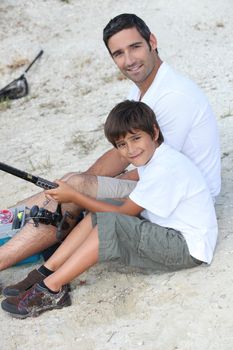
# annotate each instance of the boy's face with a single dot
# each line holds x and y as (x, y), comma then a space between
(132, 55)
(138, 148)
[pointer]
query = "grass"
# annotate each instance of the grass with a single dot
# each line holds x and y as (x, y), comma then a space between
(227, 114)
(83, 145)
(45, 165)
(4, 105)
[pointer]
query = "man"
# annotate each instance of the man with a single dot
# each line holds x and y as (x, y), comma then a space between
(183, 113)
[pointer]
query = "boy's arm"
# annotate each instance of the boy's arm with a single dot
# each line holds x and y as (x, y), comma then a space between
(66, 194)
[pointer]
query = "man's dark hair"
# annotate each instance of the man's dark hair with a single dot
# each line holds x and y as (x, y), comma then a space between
(126, 21)
(128, 116)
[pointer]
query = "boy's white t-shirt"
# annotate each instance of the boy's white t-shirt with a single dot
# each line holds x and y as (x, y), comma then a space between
(186, 121)
(173, 193)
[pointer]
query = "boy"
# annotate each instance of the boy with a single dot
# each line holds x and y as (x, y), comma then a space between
(167, 223)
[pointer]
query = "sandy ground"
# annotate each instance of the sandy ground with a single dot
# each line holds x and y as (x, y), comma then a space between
(58, 128)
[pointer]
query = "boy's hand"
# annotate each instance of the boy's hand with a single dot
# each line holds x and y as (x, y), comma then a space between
(64, 193)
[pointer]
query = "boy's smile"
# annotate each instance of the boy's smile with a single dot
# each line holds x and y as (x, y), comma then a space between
(137, 147)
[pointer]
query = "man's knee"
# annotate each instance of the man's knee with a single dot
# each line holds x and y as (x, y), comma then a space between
(84, 183)
(67, 176)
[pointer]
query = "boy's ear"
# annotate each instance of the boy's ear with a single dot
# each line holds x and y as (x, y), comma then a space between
(156, 133)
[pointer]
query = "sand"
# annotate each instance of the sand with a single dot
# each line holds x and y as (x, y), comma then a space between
(57, 128)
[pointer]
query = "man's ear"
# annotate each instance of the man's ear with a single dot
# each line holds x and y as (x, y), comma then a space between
(153, 42)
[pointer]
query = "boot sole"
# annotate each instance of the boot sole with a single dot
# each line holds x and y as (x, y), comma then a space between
(34, 312)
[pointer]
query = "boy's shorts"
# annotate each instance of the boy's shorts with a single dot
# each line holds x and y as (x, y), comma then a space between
(109, 187)
(138, 242)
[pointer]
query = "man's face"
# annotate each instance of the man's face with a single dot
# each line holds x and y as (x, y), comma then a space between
(132, 55)
(137, 147)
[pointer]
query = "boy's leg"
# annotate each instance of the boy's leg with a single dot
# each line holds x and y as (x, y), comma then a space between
(72, 242)
(82, 259)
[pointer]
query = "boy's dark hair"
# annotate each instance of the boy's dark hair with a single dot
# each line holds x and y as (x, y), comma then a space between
(126, 21)
(128, 116)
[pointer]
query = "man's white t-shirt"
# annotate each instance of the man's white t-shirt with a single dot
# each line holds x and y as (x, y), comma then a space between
(186, 121)
(174, 194)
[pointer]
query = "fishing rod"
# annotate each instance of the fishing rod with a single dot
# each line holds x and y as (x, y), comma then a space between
(36, 180)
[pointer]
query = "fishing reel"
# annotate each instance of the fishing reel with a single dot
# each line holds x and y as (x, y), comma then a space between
(57, 219)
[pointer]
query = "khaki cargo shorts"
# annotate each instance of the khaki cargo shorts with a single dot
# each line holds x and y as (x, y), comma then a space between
(138, 242)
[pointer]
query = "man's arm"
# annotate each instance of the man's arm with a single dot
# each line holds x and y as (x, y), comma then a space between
(109, 164)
